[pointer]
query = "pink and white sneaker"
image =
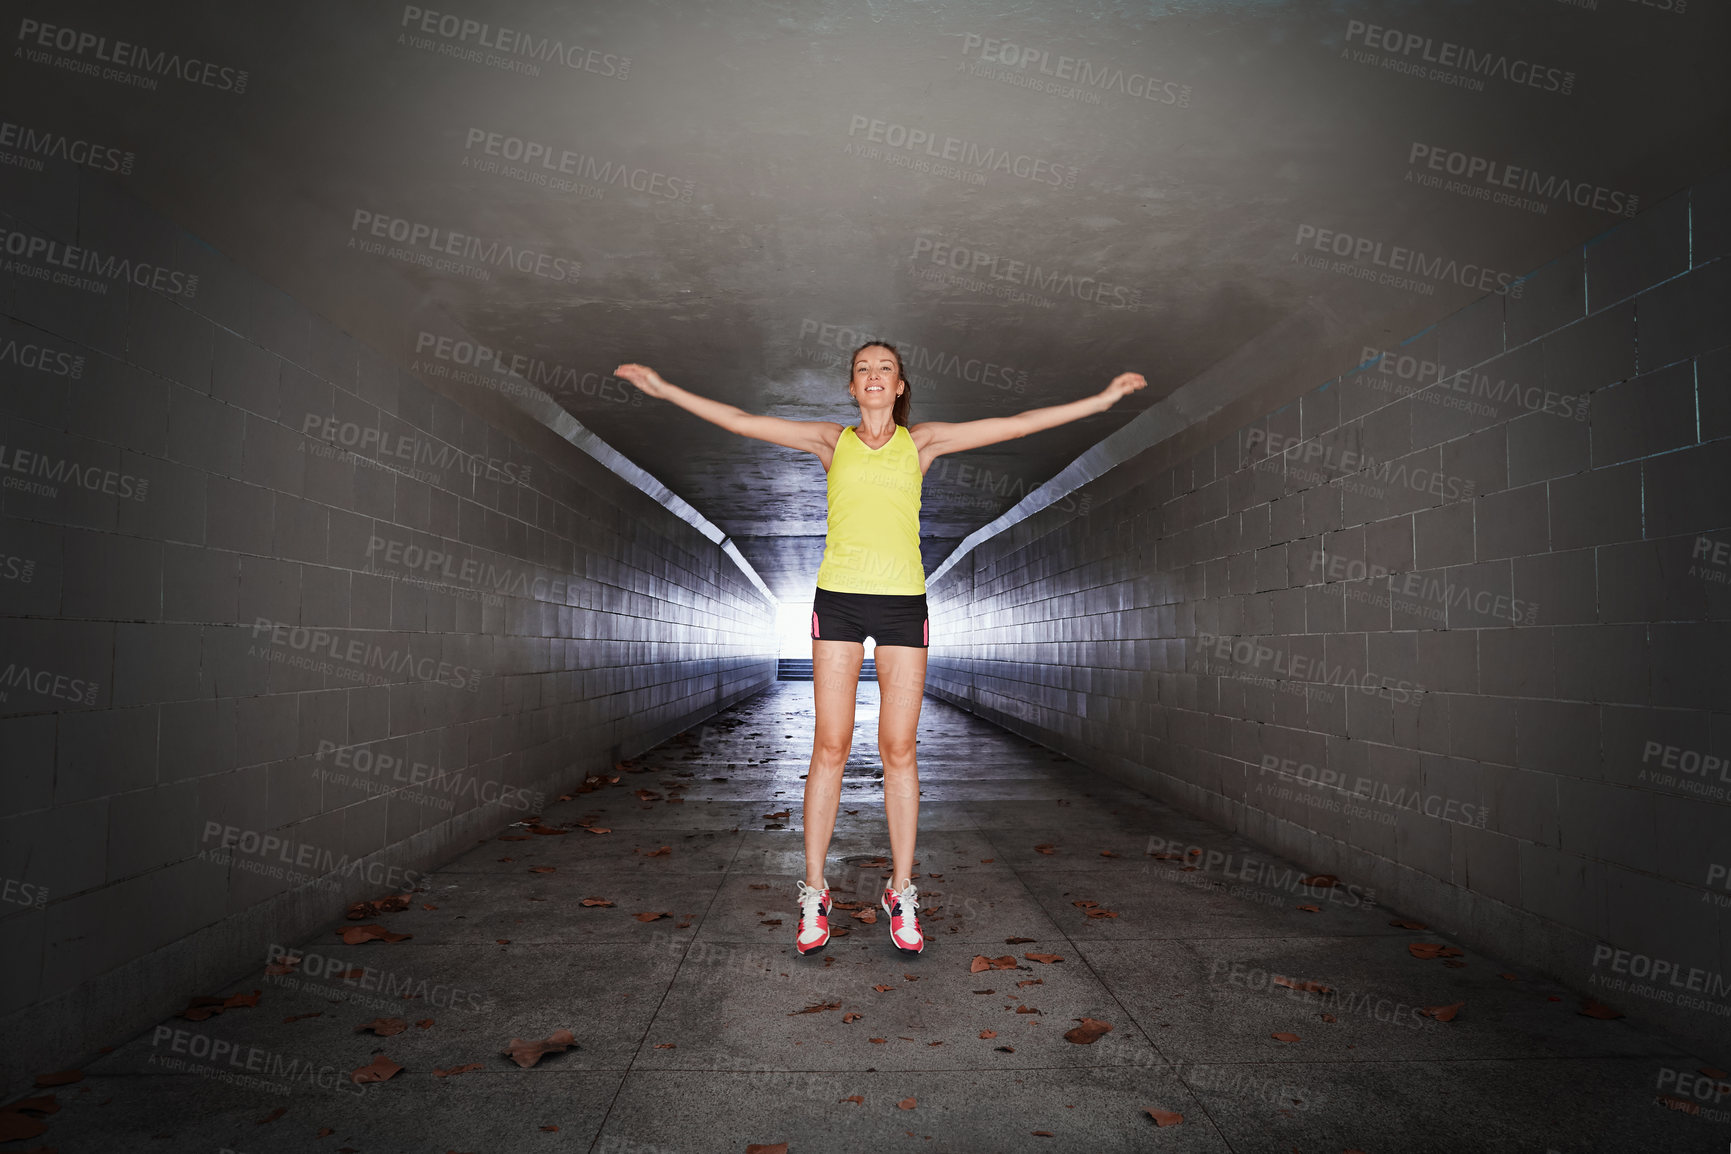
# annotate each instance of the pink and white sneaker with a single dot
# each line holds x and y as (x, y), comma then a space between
(904, 911)
(814, 910)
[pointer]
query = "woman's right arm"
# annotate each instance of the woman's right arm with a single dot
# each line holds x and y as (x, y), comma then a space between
(817, 437)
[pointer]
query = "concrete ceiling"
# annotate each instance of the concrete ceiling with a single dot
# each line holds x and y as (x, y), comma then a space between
(1125, 188)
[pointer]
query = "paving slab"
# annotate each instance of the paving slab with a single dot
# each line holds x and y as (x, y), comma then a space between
(704, 1030)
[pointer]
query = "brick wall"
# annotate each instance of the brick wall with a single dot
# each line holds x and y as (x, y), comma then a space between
(231, 616)
(1458, 634)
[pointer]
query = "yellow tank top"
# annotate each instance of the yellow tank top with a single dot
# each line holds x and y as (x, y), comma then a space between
(873, 541)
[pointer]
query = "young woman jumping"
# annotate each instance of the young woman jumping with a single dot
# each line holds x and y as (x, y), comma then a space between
(871, 584)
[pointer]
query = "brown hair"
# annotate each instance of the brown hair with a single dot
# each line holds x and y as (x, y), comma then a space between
(904, 400)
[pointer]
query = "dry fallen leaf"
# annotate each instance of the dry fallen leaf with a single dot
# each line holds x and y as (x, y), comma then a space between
(649, 917)
(58, 1078)
(542, 869)
(1283, 1037)
(1042, 1133)
(856, 1099)
(1046, 848)
(1593, 1008)
(597, 829)
(390, 904)
(425, 1024)
(1406, 925)
(379, 1069)
(198, 1009)
(355, 935)
(455, 1070)
(1090, 1031)
(298, 1017)
(1305, 986)
(383, 1027)
(667, 1045)
(1321, 881)
(664, 851)
(766, 1148)
(1426, 950)
(1030, 982)
(818, 1008)
(1311, 909)
(877, 1041)
(1026, 1010)
(887, 989)
(15, 1126)
(988, 1033)
(1019, 941)
(1165, 1117)
(603, 902)
(759, 885)
(1046, 959)
(1442, 1013)
(526, 1053)
(908, 1103)
(850, 1017)
(869, 917)
(987, 860)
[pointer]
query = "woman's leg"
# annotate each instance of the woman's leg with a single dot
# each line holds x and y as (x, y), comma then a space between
(901, 688)
(835, 684)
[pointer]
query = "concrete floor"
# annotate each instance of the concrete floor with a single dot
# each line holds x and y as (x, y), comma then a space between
(688, 1030)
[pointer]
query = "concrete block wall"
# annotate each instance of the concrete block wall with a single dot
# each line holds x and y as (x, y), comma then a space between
(282, 625)
(1455, 626)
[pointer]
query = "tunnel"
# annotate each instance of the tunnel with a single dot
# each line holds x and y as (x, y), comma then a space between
(1313, 587)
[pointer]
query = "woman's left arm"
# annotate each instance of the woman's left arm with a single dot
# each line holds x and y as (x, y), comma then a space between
(959, 436)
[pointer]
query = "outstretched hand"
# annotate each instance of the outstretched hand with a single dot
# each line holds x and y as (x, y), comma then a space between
(645, 378)
(1122, 386)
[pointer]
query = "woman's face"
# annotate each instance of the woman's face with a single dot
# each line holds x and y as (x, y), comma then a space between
(876, 380)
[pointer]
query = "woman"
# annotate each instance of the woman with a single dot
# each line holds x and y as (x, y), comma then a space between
(871, 584)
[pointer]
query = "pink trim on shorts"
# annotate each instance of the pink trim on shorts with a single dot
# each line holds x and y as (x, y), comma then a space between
(926, 631)
(814, 625)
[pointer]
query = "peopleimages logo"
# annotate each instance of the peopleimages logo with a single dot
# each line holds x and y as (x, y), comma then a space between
(1449, 55)
(431, 238)
(1399, 259)
(76, 258)
(554, 161)
(35, 142)
(968, 154)
(1498, 181)
(123, 54)
(41, 359)
(1086, 79)
(460, 31)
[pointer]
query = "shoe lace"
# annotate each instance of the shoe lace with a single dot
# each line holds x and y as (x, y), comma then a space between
(910, 900)
(810, 902)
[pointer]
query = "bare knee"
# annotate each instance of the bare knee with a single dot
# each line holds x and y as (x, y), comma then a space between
(896, 751)
(830, 753)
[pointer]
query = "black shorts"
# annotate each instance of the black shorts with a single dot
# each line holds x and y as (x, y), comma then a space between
(888, 619)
